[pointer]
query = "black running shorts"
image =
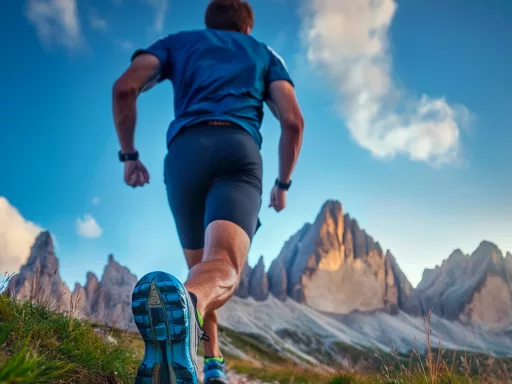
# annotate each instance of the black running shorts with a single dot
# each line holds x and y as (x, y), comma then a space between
(213, 173)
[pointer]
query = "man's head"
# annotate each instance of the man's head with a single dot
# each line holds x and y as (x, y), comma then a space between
(230, 15)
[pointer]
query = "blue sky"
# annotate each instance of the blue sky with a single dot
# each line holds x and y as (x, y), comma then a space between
(407, 110)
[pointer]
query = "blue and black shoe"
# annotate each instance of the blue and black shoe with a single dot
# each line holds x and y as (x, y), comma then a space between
(168, 321)
(215, 371)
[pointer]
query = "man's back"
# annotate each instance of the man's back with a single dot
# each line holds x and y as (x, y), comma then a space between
(217, 75)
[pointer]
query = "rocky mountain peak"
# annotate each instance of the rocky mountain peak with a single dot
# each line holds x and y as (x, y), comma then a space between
(460, 289)
(106, 301)
(456, 257)
(243, 285)
(91, 278)
(42, 254)
(109, 300)
(334, 266)
(258, 286)
(254, 282)
(488, 251)
(116, 275)
(39, 278)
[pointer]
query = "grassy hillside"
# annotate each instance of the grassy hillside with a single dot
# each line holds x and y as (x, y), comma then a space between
(38, 345)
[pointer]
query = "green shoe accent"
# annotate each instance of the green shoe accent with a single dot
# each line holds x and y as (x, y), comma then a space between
(217, 359)
(199, 318)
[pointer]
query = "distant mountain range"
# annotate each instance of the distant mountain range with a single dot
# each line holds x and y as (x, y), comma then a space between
(334, 266)
(331, 283)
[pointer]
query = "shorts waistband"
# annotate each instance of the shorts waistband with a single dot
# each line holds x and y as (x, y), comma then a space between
(209, 127)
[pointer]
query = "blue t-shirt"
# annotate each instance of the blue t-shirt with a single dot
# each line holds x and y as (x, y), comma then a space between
(217, 75)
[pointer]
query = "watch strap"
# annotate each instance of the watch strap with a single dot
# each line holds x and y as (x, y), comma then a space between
(128, 156)
(284, 186)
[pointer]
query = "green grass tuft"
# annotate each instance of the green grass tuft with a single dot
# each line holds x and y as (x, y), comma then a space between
(38, 345)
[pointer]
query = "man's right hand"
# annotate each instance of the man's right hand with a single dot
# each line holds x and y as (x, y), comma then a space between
(135, 174)
(277, 199)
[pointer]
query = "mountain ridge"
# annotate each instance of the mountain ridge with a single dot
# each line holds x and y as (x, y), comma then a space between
(330, 269)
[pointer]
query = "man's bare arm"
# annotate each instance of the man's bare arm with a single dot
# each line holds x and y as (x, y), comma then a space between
(283, 103)
(142, 74)
(272, 106)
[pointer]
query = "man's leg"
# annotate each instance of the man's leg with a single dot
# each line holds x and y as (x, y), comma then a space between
(215, 201)
(214, 280)
(210, 325)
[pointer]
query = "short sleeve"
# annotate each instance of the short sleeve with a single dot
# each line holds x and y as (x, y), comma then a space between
(277, 69)
(161, 49)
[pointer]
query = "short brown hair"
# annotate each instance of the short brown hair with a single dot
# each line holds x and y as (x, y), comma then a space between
(229, 15)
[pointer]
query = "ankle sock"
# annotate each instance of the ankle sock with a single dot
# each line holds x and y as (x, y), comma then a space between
(217, 359)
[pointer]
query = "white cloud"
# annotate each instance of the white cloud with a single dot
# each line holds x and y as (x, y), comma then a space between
(348, 41)
(56, 21)
(16, 238)
(125, 45)
(96, 200)
(88, 227)
(97, 22)
(160, 8)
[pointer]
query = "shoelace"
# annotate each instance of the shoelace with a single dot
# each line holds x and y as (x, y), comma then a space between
(205, 337)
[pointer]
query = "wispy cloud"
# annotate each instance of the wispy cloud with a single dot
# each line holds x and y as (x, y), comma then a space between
(56, 21)
(16, 238)
(96, 200)
(348, 42)
(96, 22)
(125, 45)
(88, 227)
(160, 9)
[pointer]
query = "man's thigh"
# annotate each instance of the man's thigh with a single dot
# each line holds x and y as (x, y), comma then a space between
(235, 201)
(186, 193)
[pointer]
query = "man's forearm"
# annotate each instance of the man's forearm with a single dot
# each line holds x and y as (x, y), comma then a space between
(289, 149)
(125, 116)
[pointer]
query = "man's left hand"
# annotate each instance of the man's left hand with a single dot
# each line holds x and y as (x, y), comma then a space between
(135, 174)
(277, 199)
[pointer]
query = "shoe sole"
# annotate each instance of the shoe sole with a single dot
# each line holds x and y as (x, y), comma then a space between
(162, 314)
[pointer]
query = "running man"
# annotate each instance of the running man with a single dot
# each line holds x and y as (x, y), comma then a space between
(221, 77)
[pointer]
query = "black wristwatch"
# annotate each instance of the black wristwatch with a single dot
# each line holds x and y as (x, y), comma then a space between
(283, 186)
(128, 156)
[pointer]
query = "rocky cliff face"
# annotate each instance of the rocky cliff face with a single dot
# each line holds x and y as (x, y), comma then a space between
(259, 282)
(243, 285)
(253, 282)
(39, 279)
(475, 289)
(334, 266)
(105, 301)
(108, 300)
